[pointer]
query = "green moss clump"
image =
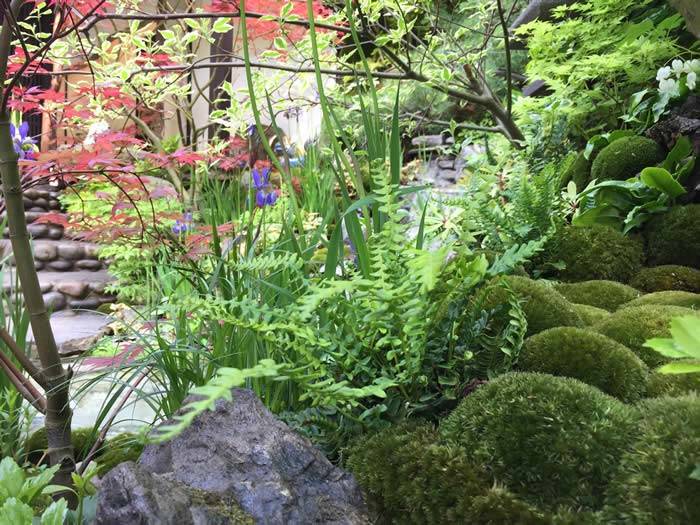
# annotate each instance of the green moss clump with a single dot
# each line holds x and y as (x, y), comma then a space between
(667, 277)
(117, 450)
(608, 295)
(543, 306)
(653, 481)
(589, 357)
(410, 478)
(578, 172)
(674, 237)
(593, 253)
(590, 315)
(673, 385)
(634, 325)
(671, 297)
(499, 505)
(552, 440)
(82, 438)
(625, 158)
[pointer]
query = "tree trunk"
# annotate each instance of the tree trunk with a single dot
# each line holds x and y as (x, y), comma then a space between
(57, 379)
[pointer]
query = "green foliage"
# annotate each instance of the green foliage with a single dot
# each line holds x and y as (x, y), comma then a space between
(608, 295)
(121, 448)
(670, 297)
(667, 277)
(589, 357)
(673, 385)
(674, 237)
(15, 420)
(553, 441)
(593, 253)
(625, 158)
(635, 325)
(658, 478)
(594, 55)
(542, 305)
(683, 346)
(590, 315)
(578, 172)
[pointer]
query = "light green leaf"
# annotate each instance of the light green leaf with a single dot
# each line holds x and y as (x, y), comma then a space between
(55, 514)
(11, 478)
(660, 179)
(680, 367)
(15, 512)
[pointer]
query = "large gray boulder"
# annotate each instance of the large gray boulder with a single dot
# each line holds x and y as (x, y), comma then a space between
(238, 457)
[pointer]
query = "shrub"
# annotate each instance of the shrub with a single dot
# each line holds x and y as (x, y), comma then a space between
(83, 439)
(121, 448)
(625, 158)
(667, 277)
(411, 478)
(596, 252)
(590, 315)
(552, 440)
(608, 295)
(674, 237)
(671, 297)
(672, 385)
(589, 357)
(578, 172)
(653, 481)
(543, 306)
(634, 325)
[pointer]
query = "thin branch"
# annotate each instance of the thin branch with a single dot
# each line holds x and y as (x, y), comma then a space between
(23, 359)
(23, 385)
(509, 66)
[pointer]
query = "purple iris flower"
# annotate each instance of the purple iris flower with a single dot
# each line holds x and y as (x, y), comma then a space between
(24, 144)
(181, 226)
(264, 195)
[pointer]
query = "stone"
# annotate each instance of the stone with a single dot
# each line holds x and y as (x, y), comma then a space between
(89, 264)
(90, 303)
(98, 287)
(45, 252)
(38, 265)
(60, 265)
(28, 203)
(46, 287)
(75, 289)
(240, 452)
(54, 301)
(41, 203)
(31, 216)
(54, 204)
(690, 9)
(71, 251)
(92, 251)
(35, 193)
(55, 232)
(38, 231)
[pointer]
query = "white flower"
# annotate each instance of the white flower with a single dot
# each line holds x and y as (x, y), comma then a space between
(669, 86)
(663, 73)
(96, 129)
(694, 65)
(678, 67)
(691, 80)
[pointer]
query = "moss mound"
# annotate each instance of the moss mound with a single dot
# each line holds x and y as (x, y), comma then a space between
(672, 385)
(634, 325)
(674, 237)
(608, 295)
(543, 306)
(551, 440)
(667, 277)
(594, 253)
(578, 172)
(590, 315)
(671, 297)
(653, 483)
(121, 448)
(37, 443)
(589, 357)
(625, 158)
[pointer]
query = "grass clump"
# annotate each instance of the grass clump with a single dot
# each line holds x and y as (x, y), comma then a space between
(671, 297)
(595, 253)
(634, 325)
(654, 482)
(667, 277)
(552, 440)
(589, 357)
(608, 295)
(625, 158)
(674, 237)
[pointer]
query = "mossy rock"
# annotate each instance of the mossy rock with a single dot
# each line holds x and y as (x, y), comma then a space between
(667, 277)
(671, 297)
(590, 315)
(542, 305)
(635, 325)
(37, 443)
(673, 385)
(594, 253)
(578, 172)
(608, 295)
(117, 450)
(625, 158)
(587, 356)
(674, 237)
(653, 482)
(552, 440)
